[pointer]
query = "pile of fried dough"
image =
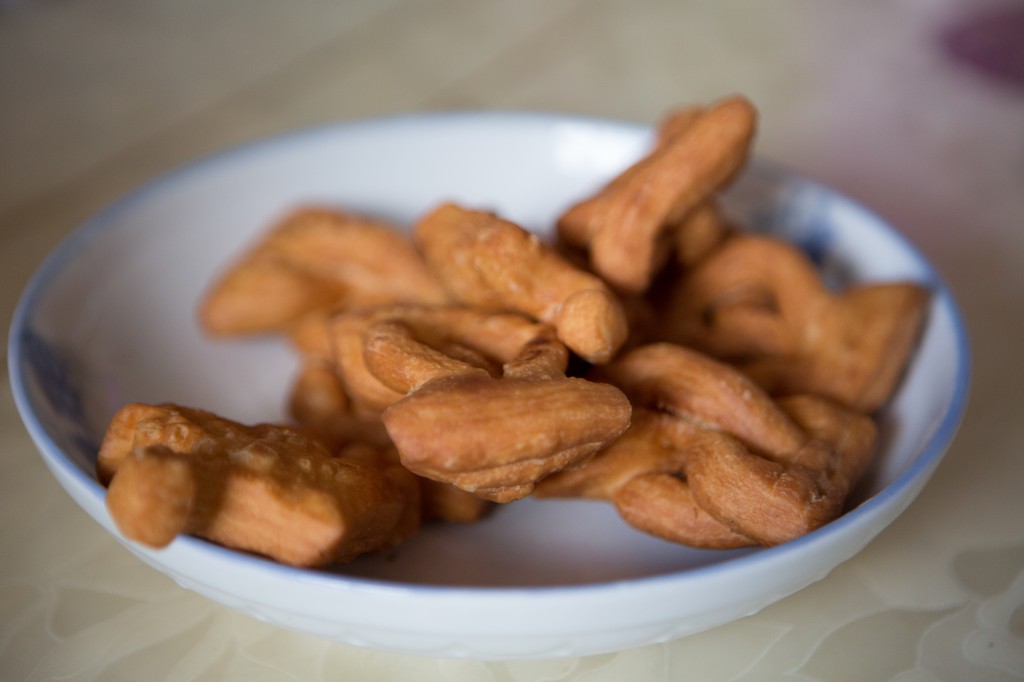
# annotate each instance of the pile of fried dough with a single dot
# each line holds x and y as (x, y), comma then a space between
(699, 377)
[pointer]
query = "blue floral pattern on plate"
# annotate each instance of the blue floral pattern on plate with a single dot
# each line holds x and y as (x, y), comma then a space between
(51, 373)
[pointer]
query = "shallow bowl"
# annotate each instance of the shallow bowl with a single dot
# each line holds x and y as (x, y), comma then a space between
(110, 317)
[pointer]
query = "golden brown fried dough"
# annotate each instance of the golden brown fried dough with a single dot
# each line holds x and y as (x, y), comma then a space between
(318, 402)
(643, 474)
(768, 471)
(494, 264)
(266, 489)
(316, 259)
(494, 437)
(760, 303)
(623, 224)
(477, 337)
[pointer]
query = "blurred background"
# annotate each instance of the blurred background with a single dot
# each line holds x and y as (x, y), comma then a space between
(913, 107)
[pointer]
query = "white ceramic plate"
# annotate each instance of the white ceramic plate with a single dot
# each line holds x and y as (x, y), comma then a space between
(109, 318)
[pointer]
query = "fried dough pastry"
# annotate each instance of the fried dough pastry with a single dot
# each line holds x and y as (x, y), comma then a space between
(316, 259)
(310, 334)
(767, 471)
(266, 489)
(494, 264)
(579, 223)
(319, 404)
(760, 303)
(445, 502)
(699, 233)
(643, 474)
(699, 151)
(731, 408)
(476, 337)
(494, 437)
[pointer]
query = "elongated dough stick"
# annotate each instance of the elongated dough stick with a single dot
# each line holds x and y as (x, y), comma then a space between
(495, 437)
(627, 219)
(643, 474)
(492, 263)
(760, 303)
(265, 488)
(769, 471)
(316, 259)
(484, 339)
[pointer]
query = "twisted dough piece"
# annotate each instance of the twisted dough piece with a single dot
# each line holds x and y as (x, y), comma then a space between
(760, 303)
(475, 337)
(265, 488)
(321, 406)
(624, 225)
(643, 474)
(768, 471)
(337, 399)
(699, 233)
(494, 437)
(578, 224)
(494, 264)
(317, 259)
(438, 501)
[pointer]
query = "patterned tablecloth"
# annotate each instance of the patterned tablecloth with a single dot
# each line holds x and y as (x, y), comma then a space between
(99, 96)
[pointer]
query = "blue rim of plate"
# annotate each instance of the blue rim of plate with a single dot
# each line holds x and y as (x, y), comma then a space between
(922, 465)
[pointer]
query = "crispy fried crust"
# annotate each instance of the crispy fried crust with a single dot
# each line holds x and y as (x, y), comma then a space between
(719, 463)
(435, 372)
(316, 259)
(494, 437)
(266, 489)
(624, 223)
(453, 334)
(643, 474)
(760, 303)
(494, 264)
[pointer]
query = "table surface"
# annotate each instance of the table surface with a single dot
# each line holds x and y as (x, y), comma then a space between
(96, 97)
